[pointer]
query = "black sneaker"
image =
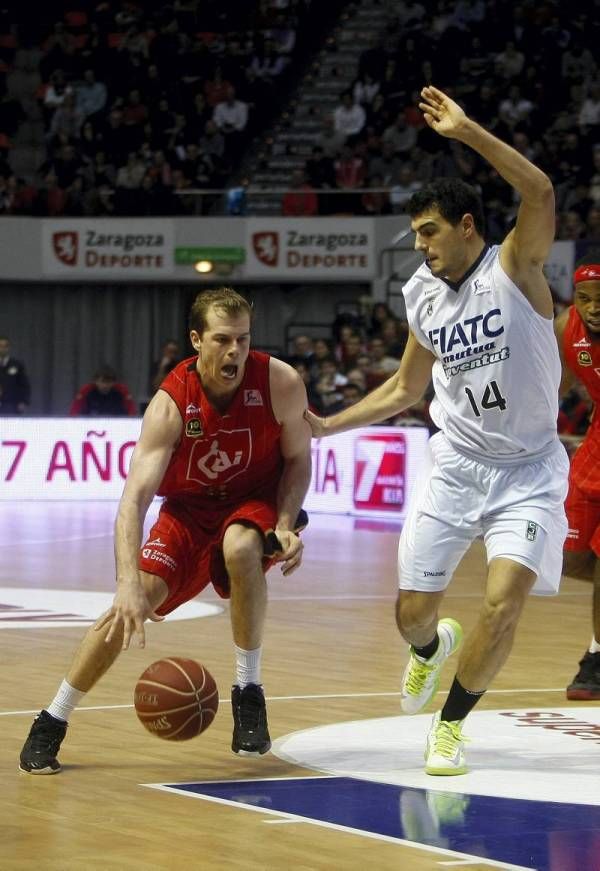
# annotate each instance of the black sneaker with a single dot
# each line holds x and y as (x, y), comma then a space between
(586, 683)
(38, 755)
(250, 729)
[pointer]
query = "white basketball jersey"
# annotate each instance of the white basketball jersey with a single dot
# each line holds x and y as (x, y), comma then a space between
(497, 370)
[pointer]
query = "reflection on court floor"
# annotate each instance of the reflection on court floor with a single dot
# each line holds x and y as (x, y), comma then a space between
(533, 773)
(511, 833)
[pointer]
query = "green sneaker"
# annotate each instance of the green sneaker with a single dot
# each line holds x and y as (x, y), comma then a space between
(445, 748)
(422, 676)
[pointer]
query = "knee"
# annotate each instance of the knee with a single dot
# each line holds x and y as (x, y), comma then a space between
(242, 553)
(501, 616)
(413, 613)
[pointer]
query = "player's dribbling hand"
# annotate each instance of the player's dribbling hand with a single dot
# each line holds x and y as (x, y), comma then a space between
(441, 113)
(129, 610)
(317, 424)
(291, 551)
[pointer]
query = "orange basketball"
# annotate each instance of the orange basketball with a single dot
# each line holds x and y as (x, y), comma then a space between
(176, 698)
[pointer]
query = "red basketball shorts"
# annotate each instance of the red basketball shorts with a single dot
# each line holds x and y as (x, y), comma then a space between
(583, 516)
(185, 547)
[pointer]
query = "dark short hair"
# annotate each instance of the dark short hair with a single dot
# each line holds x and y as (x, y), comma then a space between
(224, 298)
(453, 198)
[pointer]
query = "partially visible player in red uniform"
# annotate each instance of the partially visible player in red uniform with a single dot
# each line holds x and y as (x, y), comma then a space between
(578, 333)
(225, 442)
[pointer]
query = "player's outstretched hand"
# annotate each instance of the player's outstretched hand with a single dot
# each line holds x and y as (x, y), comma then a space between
(441, 113)
(317, 424)
(290, 553)
(128, 611)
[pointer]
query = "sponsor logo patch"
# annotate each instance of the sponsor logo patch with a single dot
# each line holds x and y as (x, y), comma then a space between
(193, 428)
(532, 529)
(162, 558)
(584, 358)
(253, 397)
(215, 460)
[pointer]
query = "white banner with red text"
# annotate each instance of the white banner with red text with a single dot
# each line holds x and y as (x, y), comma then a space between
(310, 247)
(81, 247)
(373, 471)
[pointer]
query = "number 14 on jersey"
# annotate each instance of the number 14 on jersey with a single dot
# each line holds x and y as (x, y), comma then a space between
(492, 398)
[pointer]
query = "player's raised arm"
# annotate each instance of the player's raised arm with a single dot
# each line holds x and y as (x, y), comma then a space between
(161, 430)
(401, 390)
(527, 245)
(288, 395)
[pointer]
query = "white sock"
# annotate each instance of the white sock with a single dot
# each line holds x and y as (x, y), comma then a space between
(247, 666)
(594, 646)
(65, 701)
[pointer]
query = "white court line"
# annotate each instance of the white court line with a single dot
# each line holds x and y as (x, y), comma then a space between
(283, 822)
(297, 818)
(24, 543)
(462, 863)
(304, 698)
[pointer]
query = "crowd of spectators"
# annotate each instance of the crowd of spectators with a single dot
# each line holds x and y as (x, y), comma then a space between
(360, 351)
(527, 71)
(358, 355)
(142, 101)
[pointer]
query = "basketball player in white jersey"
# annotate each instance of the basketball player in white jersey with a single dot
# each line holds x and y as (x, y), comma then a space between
(481, 327)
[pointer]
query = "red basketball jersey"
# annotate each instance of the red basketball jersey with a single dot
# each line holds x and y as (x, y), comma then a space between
(223, 459)
(581, 351)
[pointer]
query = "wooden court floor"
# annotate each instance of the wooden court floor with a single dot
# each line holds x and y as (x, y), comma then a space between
(332, 653)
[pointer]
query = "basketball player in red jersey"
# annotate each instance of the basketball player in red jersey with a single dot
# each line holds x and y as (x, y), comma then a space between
(225, 442)
(578, 333)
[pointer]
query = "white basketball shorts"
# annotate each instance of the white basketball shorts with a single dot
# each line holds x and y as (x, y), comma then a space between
(519, 511)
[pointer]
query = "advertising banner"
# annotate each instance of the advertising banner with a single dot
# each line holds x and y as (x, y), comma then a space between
(82, 247)
(65, 458)
(558, 269)
(371, 471)
(300, 248)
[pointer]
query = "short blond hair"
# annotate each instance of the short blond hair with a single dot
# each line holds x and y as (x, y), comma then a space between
(224, 298)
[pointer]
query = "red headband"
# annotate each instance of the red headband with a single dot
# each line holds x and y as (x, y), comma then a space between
(590, 272)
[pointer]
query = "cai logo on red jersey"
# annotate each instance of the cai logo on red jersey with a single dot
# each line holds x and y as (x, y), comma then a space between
(266, 247)
(66, 246)
(220, 458)
(379, 471)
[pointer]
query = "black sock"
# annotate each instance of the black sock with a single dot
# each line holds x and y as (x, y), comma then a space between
(459, 702)
(429, 649)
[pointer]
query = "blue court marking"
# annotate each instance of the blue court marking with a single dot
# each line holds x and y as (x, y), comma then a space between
(546, 836)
